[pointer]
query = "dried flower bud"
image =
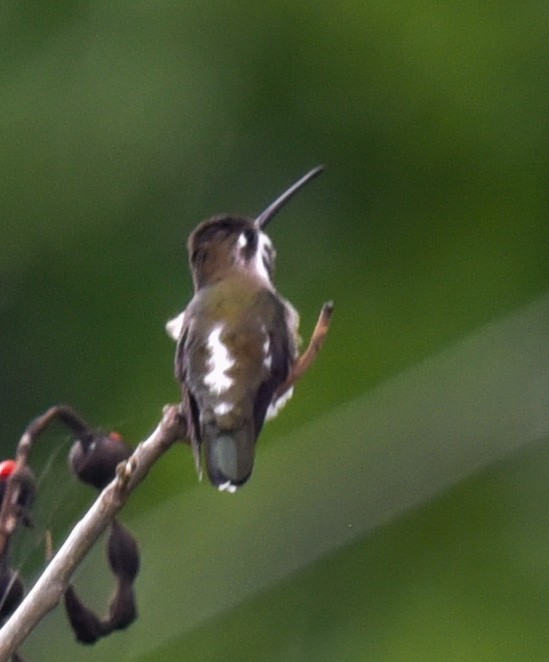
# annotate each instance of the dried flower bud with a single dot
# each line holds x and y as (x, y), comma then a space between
(94, 459)
(7, 467)
(25, 480)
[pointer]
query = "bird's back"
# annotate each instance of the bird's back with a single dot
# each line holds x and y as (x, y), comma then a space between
(235, 351)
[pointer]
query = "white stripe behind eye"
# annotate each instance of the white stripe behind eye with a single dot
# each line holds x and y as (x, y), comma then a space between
(262, 256)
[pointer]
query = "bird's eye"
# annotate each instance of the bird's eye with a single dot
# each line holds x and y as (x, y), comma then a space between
(251, 238)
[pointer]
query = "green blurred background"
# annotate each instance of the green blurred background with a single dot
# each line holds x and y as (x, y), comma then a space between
(398, 510)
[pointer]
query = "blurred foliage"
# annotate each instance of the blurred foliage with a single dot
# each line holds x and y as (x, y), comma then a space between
(122, 126)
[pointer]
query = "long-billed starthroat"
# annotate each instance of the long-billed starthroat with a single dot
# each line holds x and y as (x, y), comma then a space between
(237, 356)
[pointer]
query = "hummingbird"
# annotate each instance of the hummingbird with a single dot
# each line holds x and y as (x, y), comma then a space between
(237, 357)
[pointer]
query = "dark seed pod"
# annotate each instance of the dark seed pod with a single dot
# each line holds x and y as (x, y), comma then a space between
(122, 610)
(86, 626)
(11, 592)
(123, 553)
(94, 459)
(123, 558)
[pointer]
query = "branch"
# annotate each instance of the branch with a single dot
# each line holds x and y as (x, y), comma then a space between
(49, 589)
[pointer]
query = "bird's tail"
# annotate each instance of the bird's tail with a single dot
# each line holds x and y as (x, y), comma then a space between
(229, 456)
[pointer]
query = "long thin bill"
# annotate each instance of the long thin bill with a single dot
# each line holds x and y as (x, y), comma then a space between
(265, 216)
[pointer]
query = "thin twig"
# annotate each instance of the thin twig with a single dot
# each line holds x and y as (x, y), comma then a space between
(48, 590)
(62, 413)
(305, 361)
(9, 513)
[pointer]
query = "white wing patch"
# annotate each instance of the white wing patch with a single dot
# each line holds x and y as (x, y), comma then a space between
(175, 327)
(219, 363)
(267, 356)
(222, 408)
(277, 405)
